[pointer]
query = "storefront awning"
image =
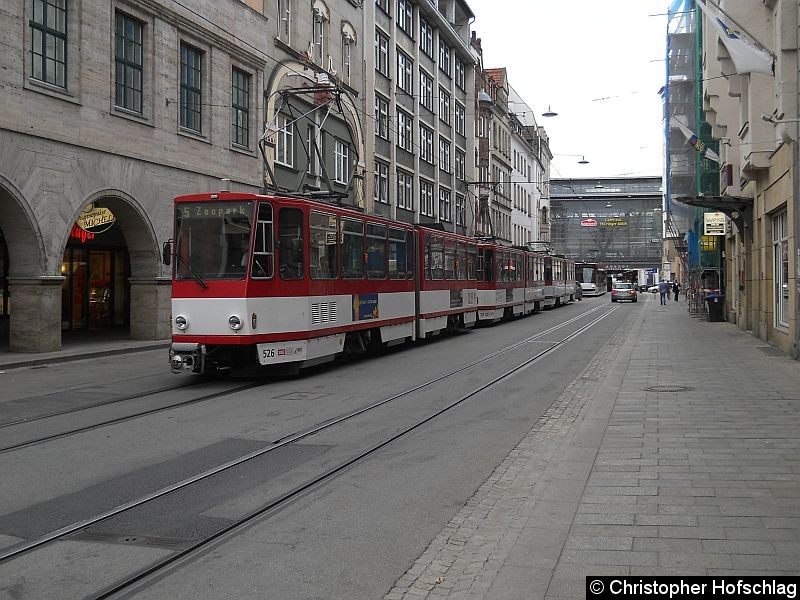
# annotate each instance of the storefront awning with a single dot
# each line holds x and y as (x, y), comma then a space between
(738, 208)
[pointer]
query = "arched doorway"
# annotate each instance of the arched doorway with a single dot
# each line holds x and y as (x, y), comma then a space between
(111, 265)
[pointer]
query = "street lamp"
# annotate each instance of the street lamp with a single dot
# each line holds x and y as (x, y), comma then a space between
(549, 112)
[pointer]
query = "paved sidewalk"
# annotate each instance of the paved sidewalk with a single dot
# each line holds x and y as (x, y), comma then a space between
(80, 346)
(700, 478)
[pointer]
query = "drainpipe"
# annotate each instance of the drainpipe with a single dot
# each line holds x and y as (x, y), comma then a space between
(796, 209)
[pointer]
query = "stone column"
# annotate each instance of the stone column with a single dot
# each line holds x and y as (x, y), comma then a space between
(35, 314)
(151, 307)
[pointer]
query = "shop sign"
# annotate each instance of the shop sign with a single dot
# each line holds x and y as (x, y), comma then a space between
(589, 223)
(614, 222)
(96, 219)
(714, 223)
(80, 234)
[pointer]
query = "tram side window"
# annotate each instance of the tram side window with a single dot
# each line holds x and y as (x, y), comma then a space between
(518, 268)
(427, 253)
(290, 231)
(376, 251)
(461, 261)
(502, 266)
(410, 266)
(324, 260)
(472, 260)
(449, 259)
(352, 249)
(488, 264)
(437, 257)
(397, 254)
(548, 272)
(263, 249)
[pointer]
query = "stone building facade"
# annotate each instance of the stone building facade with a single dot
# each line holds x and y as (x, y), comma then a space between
(755, 116)
(120, 105)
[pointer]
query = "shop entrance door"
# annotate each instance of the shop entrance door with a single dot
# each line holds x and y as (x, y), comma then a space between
(99, 292)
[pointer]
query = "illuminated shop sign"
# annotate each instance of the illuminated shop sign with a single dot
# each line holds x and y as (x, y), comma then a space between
(614, 222)
(96, 219)
(80, 234)
(589, 223)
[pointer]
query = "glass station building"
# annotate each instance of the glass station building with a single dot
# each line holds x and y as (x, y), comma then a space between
(614, 222)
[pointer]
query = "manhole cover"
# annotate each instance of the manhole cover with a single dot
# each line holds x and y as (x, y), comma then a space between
(667, 388)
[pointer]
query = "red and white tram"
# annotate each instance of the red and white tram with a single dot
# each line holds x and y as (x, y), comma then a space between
(559, 278)
(501, 282)
(448, 294)
(270, 281)
(267, 280)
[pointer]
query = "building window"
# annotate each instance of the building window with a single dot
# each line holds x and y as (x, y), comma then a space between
(425, 90)
(382, 53)
(341, 156)
(347, 43)
(780, 268)
(129, 62)
(425, 198)
(444, 57)
(318, 37)
(405, 131)
(461, 165)
(191, 88)
(461, 114)
(460, 75)
(405, 190)
(405, 16)
(461, 210)
(49, 42)
(425, 144)
(313, 147)
(405, 74)
(383, 5)
(444, 205)
(444, 154)
(425, 37)
(381, 117)
(240, 108)
(444, 105)
(284, 143)
(381, 192)
(283, 20)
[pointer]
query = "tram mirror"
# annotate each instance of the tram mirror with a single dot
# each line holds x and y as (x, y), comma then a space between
(166, 253)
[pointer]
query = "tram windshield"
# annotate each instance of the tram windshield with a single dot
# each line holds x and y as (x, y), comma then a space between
(212, 239)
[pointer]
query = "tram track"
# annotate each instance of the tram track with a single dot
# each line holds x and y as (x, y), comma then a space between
(123, 419)
(67, 411)
(215, 395)
(282, 500)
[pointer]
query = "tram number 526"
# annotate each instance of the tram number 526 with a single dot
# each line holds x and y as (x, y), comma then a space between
(268, 353)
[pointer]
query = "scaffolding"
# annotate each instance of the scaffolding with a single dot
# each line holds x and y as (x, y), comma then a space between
(688, 172)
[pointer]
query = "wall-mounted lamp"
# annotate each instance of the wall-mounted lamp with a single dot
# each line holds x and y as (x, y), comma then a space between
(777, 119)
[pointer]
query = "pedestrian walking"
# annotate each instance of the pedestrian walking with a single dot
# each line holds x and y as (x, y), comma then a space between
(676, 287)
(663, 289)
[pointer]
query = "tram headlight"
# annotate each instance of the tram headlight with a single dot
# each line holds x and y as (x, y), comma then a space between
(181, 322)
(234, 322)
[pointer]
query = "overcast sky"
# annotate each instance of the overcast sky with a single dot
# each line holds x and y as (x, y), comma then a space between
(599, 65)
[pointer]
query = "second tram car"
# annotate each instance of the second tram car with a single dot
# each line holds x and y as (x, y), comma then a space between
(268, 281)
(592, 277)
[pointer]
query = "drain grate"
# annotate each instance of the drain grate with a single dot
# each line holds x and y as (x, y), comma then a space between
(667, 388)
